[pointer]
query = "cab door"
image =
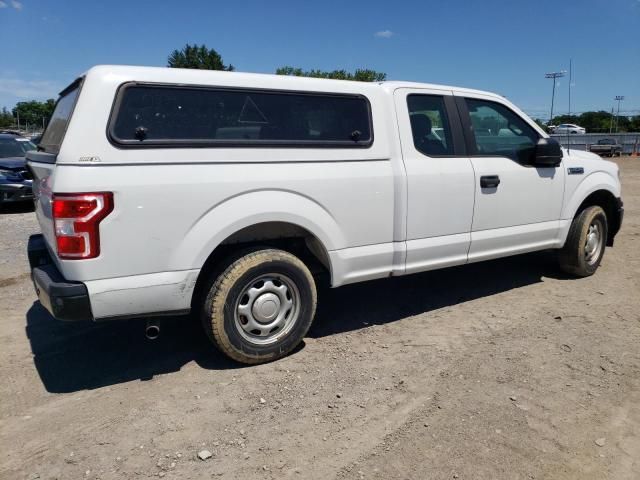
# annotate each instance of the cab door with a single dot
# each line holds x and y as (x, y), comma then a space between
(440, 179)
(517, 205)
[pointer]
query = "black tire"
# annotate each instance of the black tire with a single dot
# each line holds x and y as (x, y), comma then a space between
(254, 282)
(579, 256)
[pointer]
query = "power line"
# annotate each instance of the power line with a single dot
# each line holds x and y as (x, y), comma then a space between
(554, 76)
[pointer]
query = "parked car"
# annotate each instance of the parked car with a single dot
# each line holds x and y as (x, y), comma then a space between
(607, 147)
(15, 180)
(35, 139)
(569, 128)
(231, 195)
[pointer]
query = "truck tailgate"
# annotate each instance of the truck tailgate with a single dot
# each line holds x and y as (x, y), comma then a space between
(42, 166)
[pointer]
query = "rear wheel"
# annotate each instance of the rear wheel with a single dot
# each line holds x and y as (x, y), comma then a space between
(260, 307)
(586, 242)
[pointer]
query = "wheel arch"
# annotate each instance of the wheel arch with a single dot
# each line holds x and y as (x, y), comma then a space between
(275, 218)
(598, 189)
(275, 234)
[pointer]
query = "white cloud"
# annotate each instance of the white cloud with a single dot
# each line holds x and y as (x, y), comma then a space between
(3, 4)
(28, 89)
(383, 34)
(17, 5)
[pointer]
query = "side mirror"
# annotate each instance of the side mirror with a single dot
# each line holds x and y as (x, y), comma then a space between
(548, 153)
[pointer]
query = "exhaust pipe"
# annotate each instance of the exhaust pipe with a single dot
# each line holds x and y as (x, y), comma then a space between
(152, 330)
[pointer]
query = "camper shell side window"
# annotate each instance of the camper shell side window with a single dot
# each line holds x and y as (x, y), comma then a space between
(153, 115)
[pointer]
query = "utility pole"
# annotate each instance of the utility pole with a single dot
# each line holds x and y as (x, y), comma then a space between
(619, 98)
(554, 76)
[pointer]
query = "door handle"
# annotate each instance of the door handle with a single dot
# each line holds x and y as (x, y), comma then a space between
(489, 181)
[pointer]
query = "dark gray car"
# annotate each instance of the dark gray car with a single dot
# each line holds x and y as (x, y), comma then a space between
(15, 179)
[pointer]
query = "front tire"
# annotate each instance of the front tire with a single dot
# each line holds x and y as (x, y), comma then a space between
(586, 242)
(260, 307)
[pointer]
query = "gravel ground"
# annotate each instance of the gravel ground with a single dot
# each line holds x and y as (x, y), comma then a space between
(501, 370)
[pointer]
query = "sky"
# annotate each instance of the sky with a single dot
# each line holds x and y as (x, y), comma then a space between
(496, 45)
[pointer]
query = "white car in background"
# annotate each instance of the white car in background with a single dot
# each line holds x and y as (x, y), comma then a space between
(569, 128)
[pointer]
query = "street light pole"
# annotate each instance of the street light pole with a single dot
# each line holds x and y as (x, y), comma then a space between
(554, 75)
(611, 122)
(619, 98)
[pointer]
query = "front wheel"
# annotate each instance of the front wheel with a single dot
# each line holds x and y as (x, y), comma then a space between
(586, 242)
(260, 307)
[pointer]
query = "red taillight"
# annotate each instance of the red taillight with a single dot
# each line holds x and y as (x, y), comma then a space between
(76, 217)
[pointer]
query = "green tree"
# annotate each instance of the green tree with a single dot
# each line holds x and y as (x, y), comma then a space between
(565, 119)
(33, 112)
(199, 57)
(598, 122)
(360, 75)
(541, 124)
(6, 119)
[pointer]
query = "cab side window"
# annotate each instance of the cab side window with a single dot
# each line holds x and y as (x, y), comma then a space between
(430, 125)
(500, 132)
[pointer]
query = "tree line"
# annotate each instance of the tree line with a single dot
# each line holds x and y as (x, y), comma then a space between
(32, 113)
(601, 122)
(203, 58)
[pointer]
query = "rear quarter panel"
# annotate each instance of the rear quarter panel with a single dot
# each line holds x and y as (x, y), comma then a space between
(171, 217)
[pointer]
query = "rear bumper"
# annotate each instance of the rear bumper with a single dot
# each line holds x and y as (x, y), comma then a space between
(64, 300)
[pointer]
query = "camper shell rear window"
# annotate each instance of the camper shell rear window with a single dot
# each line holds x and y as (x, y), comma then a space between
(57, 127)
(152, 115)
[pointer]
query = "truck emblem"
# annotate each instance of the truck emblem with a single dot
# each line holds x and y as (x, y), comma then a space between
(575, 171)
(89, 159)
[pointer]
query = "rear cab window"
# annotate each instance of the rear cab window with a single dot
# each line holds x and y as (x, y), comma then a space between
(430, 125)
(151, 115)
(57, 127)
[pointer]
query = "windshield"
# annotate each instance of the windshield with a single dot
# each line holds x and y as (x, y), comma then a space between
(15, 147)
(53, 135)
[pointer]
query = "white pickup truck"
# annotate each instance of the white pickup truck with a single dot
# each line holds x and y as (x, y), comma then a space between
(167, 191)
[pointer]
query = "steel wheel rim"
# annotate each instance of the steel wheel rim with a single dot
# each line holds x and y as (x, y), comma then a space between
(593, 242)
(267, 308)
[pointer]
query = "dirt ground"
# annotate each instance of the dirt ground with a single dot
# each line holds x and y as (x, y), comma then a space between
(501, 370)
